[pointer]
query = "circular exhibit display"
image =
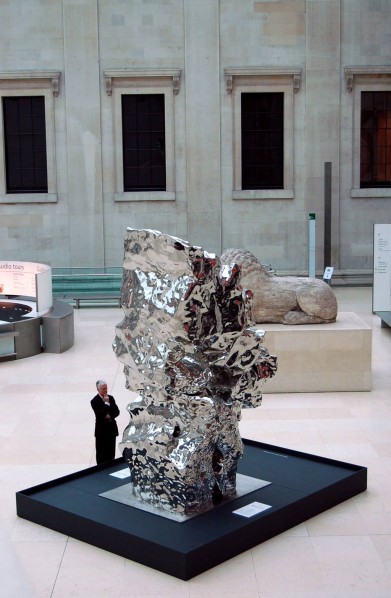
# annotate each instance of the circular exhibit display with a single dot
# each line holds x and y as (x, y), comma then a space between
(30, 320)
(13, 312)
(27, 279)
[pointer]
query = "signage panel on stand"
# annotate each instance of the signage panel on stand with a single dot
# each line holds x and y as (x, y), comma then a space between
(27, 279)
(382, 267)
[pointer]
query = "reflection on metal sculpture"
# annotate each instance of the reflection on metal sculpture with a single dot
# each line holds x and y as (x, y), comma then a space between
(189, 351)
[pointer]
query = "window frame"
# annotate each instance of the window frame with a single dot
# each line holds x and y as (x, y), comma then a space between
(29, 84)
(160, 81)
(358, 79)
(263, 80)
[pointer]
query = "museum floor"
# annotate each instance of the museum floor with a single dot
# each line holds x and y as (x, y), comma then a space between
(46, 431)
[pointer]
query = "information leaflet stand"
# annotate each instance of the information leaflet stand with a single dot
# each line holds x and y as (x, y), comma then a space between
(381, 295)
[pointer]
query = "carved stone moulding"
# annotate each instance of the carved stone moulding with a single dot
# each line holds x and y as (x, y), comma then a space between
(273, 73)
(41, 78)
(354, 74)
(134, 76)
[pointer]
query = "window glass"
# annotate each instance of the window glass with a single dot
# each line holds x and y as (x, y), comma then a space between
(144, 142)
(375, 146)
(25, 144)
(262, 128)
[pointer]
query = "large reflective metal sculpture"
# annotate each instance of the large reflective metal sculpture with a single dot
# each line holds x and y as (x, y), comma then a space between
(189, 351)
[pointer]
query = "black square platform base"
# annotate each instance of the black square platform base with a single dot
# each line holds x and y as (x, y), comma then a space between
(301, 486)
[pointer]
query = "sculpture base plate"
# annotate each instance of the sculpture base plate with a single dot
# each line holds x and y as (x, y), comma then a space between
(301, 487)
(124, 494)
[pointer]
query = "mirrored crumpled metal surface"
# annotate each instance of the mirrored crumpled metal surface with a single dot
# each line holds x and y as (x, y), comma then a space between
(190, 353)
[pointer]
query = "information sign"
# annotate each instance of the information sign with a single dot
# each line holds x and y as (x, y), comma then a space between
(27, 279)
(382, 267)
(328, 272)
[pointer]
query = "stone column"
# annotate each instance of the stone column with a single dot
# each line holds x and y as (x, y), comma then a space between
(202, 87)
(81, 59)
(323, 80)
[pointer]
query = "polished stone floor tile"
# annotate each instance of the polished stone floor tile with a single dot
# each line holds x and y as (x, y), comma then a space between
(46, 431)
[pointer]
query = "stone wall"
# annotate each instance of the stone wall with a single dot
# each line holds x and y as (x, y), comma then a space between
(210, 43)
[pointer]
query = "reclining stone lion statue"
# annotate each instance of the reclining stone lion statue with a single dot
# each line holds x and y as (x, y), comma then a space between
(283, 299)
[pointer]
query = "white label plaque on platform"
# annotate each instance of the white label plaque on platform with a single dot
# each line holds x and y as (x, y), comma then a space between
(252, 509)
(122, 473)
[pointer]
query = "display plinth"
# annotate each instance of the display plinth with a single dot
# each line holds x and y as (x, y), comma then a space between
(321, 357)
(23, 337)
(302, 486)
(385, 317)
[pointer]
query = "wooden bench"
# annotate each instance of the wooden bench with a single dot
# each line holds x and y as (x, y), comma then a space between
(92, 297)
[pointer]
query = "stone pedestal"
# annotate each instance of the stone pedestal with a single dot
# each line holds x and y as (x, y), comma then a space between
(321, 357)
